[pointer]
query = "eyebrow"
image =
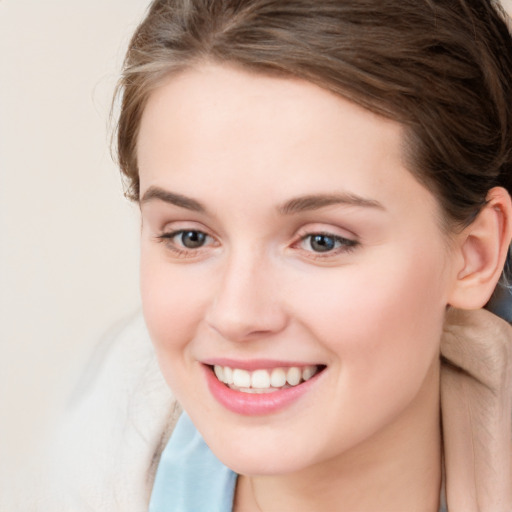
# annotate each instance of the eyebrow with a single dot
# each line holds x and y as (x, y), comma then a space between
(317, 201)
(188, 203)
(295, 205)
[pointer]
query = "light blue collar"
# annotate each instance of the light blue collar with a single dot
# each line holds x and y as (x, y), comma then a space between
(189, 477)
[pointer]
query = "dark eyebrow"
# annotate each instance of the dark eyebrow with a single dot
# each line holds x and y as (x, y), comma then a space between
(295, 205)
(172, 198)
(317, 201)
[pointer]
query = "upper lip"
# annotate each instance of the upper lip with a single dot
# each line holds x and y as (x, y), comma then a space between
(256, 364)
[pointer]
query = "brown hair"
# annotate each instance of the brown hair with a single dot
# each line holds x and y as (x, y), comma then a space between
(442, 68)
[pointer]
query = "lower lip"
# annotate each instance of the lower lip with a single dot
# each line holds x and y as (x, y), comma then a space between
(256, 404)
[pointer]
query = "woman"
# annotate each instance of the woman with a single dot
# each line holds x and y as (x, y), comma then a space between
(299, 325)
(324, 192)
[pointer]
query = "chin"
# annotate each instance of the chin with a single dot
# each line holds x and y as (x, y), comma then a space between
(260, 452)
(258, 462)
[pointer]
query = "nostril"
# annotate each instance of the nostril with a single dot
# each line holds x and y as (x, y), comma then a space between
(250, 327)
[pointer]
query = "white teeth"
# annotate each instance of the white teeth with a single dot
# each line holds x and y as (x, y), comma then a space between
(228, 375)
(219, 372)
(241, 378)
(293, 376)
(308, 372)
(262, 381)
(278, 378)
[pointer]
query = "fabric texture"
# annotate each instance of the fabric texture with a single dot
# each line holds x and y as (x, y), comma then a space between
(476, 405)
(104, 456)
(190, 477)
(106, 453)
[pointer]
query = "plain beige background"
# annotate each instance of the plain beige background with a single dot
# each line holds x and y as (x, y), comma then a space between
(68, 238)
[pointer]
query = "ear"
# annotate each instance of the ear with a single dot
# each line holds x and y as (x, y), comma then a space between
(482, 250)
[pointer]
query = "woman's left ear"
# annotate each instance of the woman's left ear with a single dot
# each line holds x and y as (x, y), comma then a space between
(481, 252)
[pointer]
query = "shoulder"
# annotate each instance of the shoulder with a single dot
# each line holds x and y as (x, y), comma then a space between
(476, 405)
(118, 421)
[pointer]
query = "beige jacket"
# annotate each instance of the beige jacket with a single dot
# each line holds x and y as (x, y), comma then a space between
(122, 415)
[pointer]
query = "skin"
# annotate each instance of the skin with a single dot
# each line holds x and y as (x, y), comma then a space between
(242, 145)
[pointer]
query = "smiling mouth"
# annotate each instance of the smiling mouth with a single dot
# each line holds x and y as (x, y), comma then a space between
(265, 380)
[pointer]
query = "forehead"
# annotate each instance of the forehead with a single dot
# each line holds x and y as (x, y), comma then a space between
(216, 125)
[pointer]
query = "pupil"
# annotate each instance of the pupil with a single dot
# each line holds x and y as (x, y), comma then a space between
(322, 243)
(193, 239)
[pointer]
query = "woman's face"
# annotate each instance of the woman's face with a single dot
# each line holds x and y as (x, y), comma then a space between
(283, 238)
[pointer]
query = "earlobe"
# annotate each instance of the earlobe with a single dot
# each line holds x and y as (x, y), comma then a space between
(482, 249)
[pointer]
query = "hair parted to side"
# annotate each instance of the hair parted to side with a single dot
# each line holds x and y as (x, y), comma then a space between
(441, 68)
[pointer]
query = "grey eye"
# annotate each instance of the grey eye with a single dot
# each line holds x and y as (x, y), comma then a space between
(192, 239)
(322, 243)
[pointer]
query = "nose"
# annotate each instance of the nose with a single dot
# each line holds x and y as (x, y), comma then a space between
(246, 303)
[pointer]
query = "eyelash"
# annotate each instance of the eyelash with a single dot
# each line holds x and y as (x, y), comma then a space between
(344, 245)
(183, 252)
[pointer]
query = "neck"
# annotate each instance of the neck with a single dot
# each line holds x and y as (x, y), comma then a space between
(397, 469)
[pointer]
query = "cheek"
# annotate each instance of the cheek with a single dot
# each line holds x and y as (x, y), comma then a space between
(381, 322)
(382, 328)
(171, 303)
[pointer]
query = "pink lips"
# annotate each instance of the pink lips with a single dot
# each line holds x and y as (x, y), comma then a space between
(255, 404)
